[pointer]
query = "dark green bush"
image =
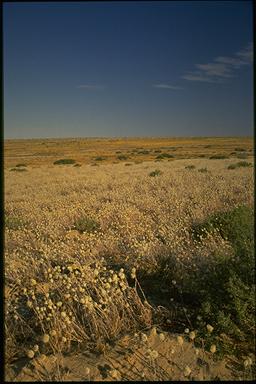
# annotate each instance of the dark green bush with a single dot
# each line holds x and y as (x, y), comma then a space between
(242, 156)
(232, 166)
(99, 158)
(190, 167)
(13, 222)
(165, 156)
(18, 169)
(240, 149)
(77, 165)
(122, 157)
(243, 164)
(203, 170)
(158, 151)
(144, 152)
(218, 157)
(20, 165)
(86, 224)
(64, 161)
(154, 173)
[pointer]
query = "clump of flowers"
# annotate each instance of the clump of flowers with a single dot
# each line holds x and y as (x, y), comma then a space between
(82, 303)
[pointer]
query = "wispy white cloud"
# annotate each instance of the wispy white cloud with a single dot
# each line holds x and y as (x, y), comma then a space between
(90, 86)
(167, 86)
(222, 68)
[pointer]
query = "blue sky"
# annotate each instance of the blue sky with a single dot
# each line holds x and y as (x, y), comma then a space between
(178, 68)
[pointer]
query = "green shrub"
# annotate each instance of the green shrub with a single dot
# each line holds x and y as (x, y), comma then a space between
(226, 289)
(99, 158)
(190, 167)
(165, 156)
(86, 224)
(158, 151)
(243, 164)
(218, 157)
(144, 152)
(64, 161)
(232, 166)
(13, 222)
(20, 165)
(18, 169)
(203, 170)
(122, 157)
(77, 165)
(242, 156)
(240, 149)
(154, 173)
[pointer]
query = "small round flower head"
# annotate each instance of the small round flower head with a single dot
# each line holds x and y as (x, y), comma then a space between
(247, 362)
(154, 355)
(144, 337)
(114, 373)
(209, 328)
(197, 351)
(186, 330)
(87, 371)
(33, 282)
(36, 348)
(63, 314)
(192, 335)
(29, 304)
(161, 336)
(187, 371)
(180, 340)
(64, 339)
(45, 338)
(213, 348)
(53, 332)
(59, 304)
(174, 282)
(153, 332)
(30, 353)
(172, 351)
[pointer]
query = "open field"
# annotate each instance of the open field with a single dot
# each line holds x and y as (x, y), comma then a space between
(119, 272)
(36, 152)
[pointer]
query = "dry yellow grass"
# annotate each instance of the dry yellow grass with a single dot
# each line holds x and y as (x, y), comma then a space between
(139, 219)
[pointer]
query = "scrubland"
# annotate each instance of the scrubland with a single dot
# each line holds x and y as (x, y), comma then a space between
(139, 272)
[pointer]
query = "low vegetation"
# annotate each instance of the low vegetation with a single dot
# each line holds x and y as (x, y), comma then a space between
(64, 161)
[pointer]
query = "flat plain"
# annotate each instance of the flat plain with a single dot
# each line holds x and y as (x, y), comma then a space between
(115, 250)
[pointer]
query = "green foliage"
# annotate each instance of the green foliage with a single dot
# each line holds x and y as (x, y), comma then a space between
(242, 156)
(165, 156)
(226, 288)
(218, 157)
(154, 173)
(240, 149)
(122, 157)
(232, 166)
(86, 224)
(20, 165)
(77, 165)
(64, 161)
(190, 167)
(144, 152)
(18, 169)
(239, 164)
(13, 222)
(158, 151)
(203, 170)
(99, 158)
